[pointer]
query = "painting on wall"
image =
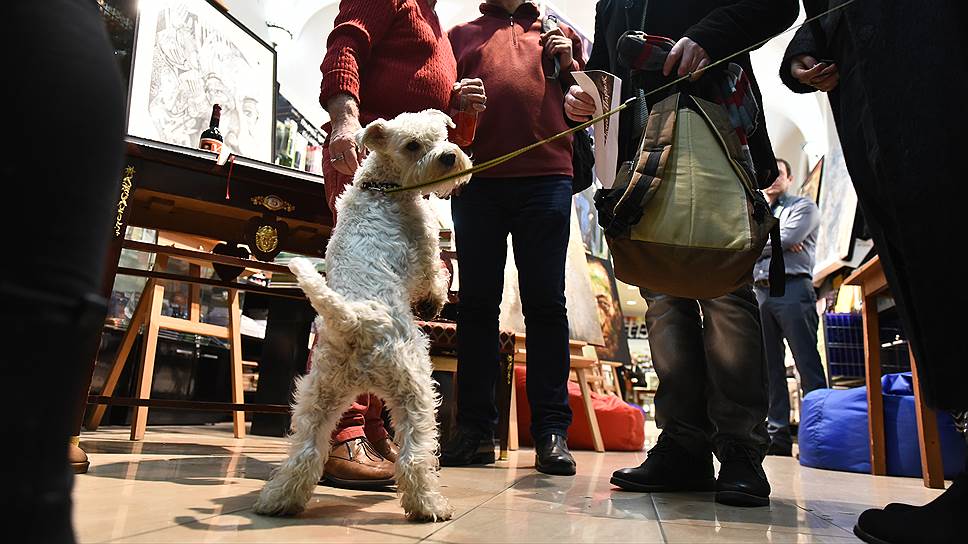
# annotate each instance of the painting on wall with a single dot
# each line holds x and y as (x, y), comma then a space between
(838, 209)
(188, 56)
(605, 290)
(811, 185)
(583, 323)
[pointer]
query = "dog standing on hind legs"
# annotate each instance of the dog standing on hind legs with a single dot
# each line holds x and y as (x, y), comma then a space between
(382, 257)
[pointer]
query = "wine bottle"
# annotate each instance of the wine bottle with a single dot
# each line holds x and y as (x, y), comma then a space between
(212, 138)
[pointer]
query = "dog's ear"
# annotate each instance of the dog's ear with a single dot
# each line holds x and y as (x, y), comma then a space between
(446, 118)
(374, 136)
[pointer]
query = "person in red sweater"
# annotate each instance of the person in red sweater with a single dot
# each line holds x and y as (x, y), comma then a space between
(530, 199)
(383, 58)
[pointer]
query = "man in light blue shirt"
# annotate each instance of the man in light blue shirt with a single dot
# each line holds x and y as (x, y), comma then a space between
(793, 316)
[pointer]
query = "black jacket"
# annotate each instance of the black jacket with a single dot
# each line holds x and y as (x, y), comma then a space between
(721, 27)
(900, 113)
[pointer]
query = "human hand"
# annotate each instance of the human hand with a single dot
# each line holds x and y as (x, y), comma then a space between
(579, 105)
(819, 75)
(471, 91)
(690, 56)
(557, 44)
(344, 154)
(797, 248)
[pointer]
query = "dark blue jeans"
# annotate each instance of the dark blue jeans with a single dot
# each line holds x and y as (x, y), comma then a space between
(536, 212)
(792, 317)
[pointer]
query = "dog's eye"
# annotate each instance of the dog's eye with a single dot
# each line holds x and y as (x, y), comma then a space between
(412, 146)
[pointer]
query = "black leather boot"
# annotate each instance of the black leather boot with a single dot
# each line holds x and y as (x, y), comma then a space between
(668, 467)
(741, 481)
(467, 448)
(551, 456)
(939, 521)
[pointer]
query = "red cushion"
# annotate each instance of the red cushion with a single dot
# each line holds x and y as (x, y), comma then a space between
(622, 425)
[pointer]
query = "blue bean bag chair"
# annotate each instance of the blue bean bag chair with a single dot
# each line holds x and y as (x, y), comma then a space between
(834, 433)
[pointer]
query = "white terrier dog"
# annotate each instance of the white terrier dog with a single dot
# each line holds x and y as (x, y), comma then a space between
(382, 257)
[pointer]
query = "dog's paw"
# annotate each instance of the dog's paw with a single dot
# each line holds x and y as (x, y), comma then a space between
(272, 502)
(443, 511)
(303, 268)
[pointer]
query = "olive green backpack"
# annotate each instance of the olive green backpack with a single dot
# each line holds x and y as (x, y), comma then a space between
(684, 217)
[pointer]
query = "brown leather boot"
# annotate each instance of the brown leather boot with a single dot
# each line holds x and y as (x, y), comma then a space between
(77, 457)
(387, 448)
(356, 464)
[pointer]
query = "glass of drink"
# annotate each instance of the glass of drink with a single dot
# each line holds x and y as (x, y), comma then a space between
(465, 117)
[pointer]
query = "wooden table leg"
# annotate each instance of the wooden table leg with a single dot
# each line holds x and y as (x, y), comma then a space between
(932, 467)
(139, 418)
(875, 397)
(235, 351)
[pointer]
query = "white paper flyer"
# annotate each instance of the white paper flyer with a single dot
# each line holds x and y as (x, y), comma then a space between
(606, 90)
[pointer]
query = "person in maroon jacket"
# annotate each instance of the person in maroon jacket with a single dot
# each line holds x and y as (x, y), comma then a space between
(530, 198)
(377, 45)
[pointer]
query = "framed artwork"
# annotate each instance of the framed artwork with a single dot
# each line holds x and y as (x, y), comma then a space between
(838, 210)
(811, 185)
(605, 290)
(190, 55)
(583, 317)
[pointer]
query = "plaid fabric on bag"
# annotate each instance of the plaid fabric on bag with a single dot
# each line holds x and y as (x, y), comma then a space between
(645, 54)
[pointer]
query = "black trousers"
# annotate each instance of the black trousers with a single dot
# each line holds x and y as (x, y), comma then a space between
(536, 212)
(709, 357)
(792, 317)
(65, 107)
(905, 164)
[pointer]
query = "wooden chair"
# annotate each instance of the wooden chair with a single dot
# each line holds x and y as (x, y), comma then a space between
(873, 283)
(148, 314)
(443, 355)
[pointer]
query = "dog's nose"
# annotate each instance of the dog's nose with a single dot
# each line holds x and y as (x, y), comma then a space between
(449, 159)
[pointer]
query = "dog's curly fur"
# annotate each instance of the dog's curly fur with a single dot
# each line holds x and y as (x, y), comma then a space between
(383, 256)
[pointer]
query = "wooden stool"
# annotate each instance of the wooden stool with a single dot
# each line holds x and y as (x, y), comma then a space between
(587, 371)
(873, 283)
(148, 314)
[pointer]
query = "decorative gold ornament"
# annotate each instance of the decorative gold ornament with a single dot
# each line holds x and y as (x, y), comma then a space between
(272, 203)
(266, 238)
(126, 184)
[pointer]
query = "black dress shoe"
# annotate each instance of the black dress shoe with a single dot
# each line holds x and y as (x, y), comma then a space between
(669, 467)
(551, 456)
(780, 450)
(741, 481)
(939, 521)
(467, 448)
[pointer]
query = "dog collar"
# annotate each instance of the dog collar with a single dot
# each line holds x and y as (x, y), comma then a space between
(379, 187)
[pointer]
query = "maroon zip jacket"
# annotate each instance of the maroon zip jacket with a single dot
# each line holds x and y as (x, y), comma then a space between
(522, 105)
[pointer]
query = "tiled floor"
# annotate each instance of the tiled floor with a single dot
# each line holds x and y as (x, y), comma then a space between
(197, 484)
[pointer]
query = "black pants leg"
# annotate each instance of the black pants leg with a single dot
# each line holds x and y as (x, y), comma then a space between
(536, 212)
(792, 317)
(481, 230)
(66, 105)
(539, 234)
(712, 370)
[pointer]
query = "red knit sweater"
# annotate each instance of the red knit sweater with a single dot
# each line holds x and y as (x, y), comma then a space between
(522, 106)
(391, 55)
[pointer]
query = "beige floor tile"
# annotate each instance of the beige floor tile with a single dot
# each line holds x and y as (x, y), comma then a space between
(696, 534)
(485, 525)
(251, 528)
(701, 509)
(575, 495)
